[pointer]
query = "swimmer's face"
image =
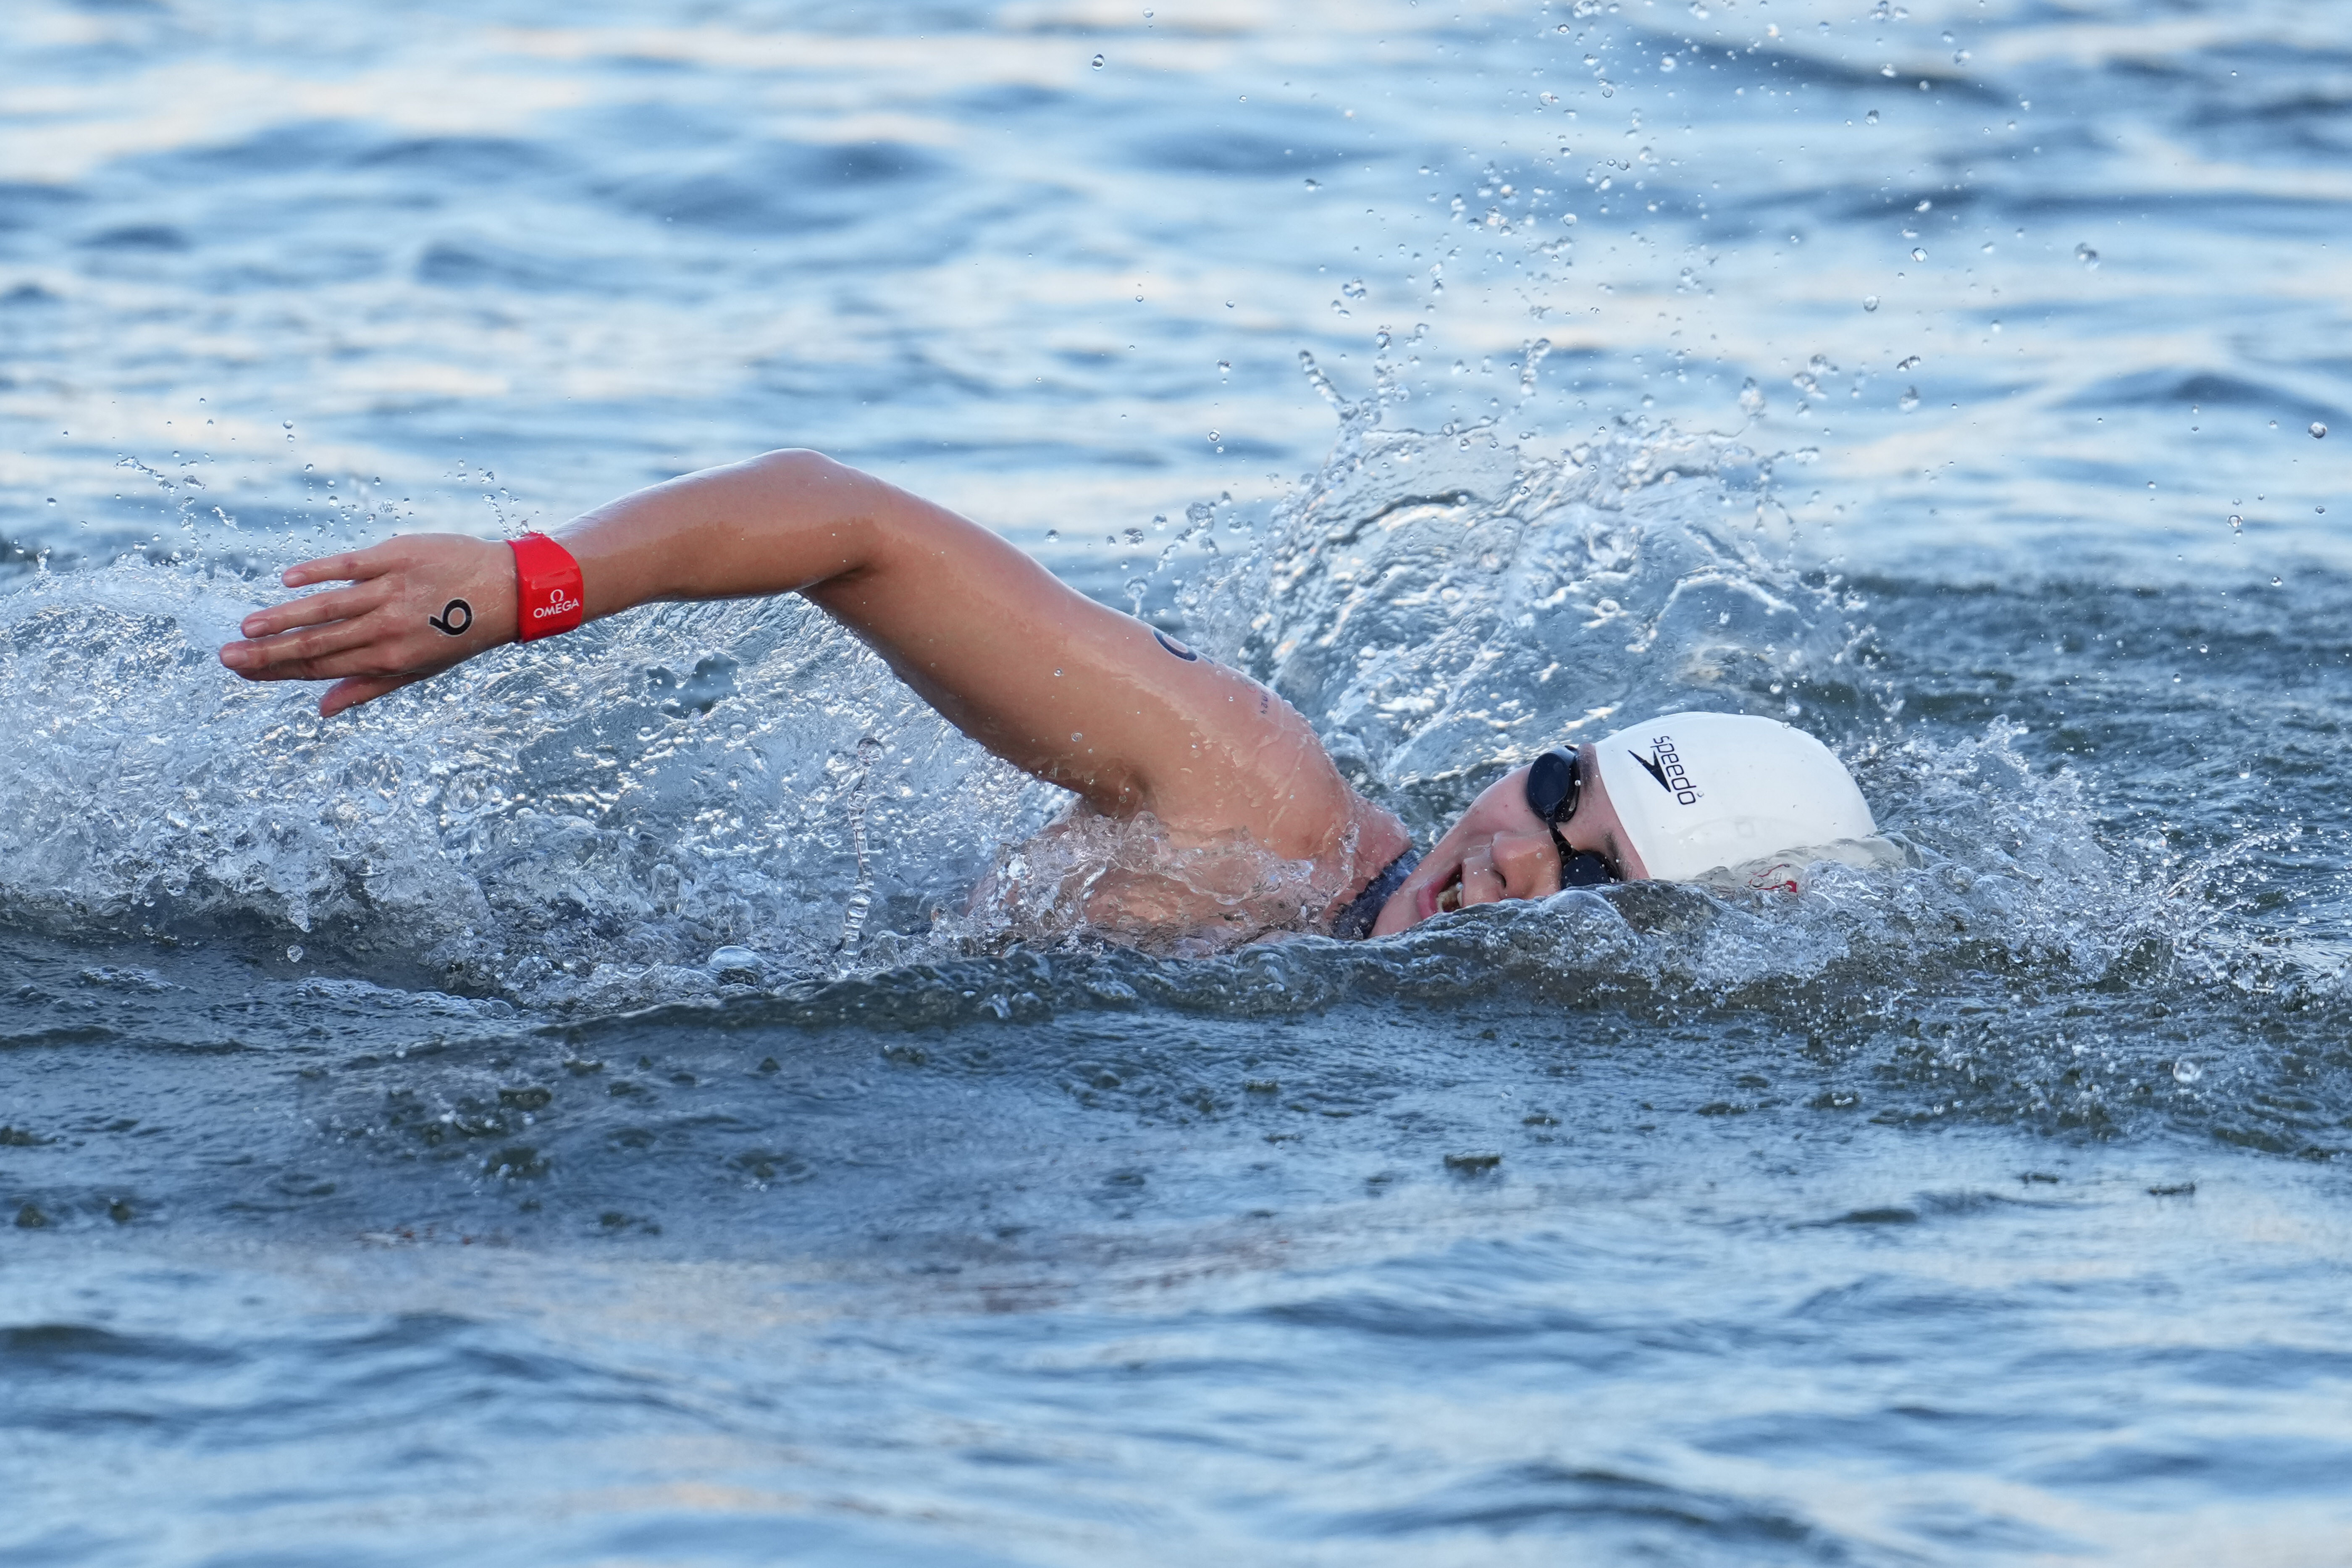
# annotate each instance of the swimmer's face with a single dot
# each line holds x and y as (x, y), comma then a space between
(1501, 849)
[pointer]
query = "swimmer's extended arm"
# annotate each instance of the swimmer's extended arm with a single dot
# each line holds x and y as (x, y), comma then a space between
(1063, 688)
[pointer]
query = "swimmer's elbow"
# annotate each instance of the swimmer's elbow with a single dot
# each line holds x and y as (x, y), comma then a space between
(793, 468)
(820, 513)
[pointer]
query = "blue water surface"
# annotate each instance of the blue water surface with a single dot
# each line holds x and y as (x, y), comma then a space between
(475, 1130)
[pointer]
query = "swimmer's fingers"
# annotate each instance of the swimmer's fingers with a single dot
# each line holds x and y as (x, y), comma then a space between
(349, 567)
(356, 689)
(365, 661)
(339, 604)
(306, 644)
(304, 654)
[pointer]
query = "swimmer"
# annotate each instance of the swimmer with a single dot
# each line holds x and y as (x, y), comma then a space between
(1128, 718)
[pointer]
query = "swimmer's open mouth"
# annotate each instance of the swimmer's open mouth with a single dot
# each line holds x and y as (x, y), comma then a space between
(1449, 897)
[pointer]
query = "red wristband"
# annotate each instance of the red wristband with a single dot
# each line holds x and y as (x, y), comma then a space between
(550, 592)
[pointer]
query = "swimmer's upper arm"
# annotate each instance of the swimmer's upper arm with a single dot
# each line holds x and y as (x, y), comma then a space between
(1078, 693)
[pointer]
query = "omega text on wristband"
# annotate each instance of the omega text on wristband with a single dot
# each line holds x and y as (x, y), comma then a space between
(550, 595)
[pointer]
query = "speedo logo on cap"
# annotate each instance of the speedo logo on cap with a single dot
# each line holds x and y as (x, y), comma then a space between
(1666, 764)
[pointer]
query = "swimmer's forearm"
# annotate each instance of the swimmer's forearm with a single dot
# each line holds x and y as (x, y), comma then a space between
(887, 562)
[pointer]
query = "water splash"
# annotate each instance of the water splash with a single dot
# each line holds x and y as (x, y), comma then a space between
(1442, 607)
(1090, 877)
(579, 825)
(546, 822)
(860, 902)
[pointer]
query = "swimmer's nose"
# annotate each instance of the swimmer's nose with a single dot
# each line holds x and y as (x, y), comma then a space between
(1530, 864)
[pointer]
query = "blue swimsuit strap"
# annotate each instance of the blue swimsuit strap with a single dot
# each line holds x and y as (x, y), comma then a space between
(1355, 923)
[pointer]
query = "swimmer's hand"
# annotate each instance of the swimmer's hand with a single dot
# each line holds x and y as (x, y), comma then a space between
(414, 606)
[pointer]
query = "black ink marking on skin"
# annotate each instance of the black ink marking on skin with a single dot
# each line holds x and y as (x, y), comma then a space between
(457, 618)
(1173, 646)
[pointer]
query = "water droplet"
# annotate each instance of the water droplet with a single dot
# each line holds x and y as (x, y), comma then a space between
(2318, 431)
(1911, 363)
(1077, 735)
(1057, 675)
(289, 424)
(1053, 536)
(1215, 436)
(1666, 62)
(2237, 523)
(1917, 254)
(1870, 301)
(1870, 119)
(2187, 1073)
(294, 953)
(1224, 367)
(2087, 256)
(53, 500)
(1910, 400)
(1099, 62)
(1353, 289)
(1886, 70)
(2274, 583)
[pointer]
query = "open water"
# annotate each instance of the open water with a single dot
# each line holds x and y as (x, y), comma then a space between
(482, 1130)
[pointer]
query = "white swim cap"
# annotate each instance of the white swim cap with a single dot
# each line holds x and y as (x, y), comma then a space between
(1698, 791)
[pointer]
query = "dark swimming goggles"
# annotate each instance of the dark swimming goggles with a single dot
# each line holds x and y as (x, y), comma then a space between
(1555, 785)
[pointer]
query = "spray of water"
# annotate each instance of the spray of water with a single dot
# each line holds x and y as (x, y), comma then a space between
(583, 823)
